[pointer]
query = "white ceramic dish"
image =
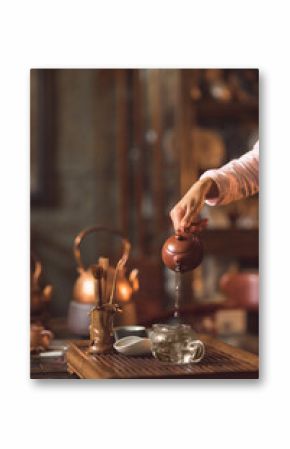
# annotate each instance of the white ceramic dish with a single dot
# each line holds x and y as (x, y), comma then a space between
(126, 331)
(133, 346)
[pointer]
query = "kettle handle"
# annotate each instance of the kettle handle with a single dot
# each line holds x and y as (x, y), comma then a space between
(79, 238)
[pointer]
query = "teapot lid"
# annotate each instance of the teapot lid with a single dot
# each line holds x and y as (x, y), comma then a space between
(180, 243)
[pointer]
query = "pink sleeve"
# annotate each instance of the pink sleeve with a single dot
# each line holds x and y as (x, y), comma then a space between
(237, 179)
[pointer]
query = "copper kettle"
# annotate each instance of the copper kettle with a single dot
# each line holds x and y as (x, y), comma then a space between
(40, 296)
(84, 288)
(184, 250)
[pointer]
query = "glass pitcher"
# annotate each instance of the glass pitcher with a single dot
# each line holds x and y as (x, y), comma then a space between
(176, 343)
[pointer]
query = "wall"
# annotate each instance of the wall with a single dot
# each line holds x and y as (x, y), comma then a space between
(84, 174)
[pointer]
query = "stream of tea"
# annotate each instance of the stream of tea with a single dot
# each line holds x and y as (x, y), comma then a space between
(176, 313)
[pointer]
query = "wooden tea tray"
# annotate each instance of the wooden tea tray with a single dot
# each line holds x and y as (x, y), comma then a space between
(221, 361)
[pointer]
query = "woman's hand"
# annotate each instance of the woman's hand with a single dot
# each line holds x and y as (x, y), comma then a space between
(186, 210)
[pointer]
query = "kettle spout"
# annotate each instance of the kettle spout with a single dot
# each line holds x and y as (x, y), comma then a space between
(134, 280)
(47, 293)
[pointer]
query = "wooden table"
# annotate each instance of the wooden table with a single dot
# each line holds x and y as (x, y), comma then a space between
(221, 361)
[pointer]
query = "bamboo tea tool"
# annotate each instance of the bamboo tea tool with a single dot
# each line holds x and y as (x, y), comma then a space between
(104, 263)
(98, 274)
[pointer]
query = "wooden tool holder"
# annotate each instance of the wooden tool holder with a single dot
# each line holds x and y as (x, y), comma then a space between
(101, 328)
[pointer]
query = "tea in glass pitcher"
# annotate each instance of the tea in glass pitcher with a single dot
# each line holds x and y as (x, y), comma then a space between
(176, 343)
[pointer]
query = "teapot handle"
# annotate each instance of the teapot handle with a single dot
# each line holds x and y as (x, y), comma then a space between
(79, 238)
(194, 227)
(199, 226)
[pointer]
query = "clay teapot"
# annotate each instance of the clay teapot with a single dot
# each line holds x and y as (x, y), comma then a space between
(241, 289)
(40, 338)
(184, 250)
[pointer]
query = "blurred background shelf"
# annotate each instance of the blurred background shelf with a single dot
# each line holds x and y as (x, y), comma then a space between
(241, 243)
(234, 110)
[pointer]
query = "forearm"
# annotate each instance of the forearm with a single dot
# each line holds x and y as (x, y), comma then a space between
(235, 180)
(210, 187)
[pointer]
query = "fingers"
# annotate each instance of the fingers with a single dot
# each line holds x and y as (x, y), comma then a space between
(184, 213)
(188, 218)
(176, 215)
(183, 216)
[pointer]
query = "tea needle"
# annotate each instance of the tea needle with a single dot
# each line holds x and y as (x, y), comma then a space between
(98, 272)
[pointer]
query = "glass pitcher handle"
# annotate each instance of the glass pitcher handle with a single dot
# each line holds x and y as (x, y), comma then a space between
(200, 353)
